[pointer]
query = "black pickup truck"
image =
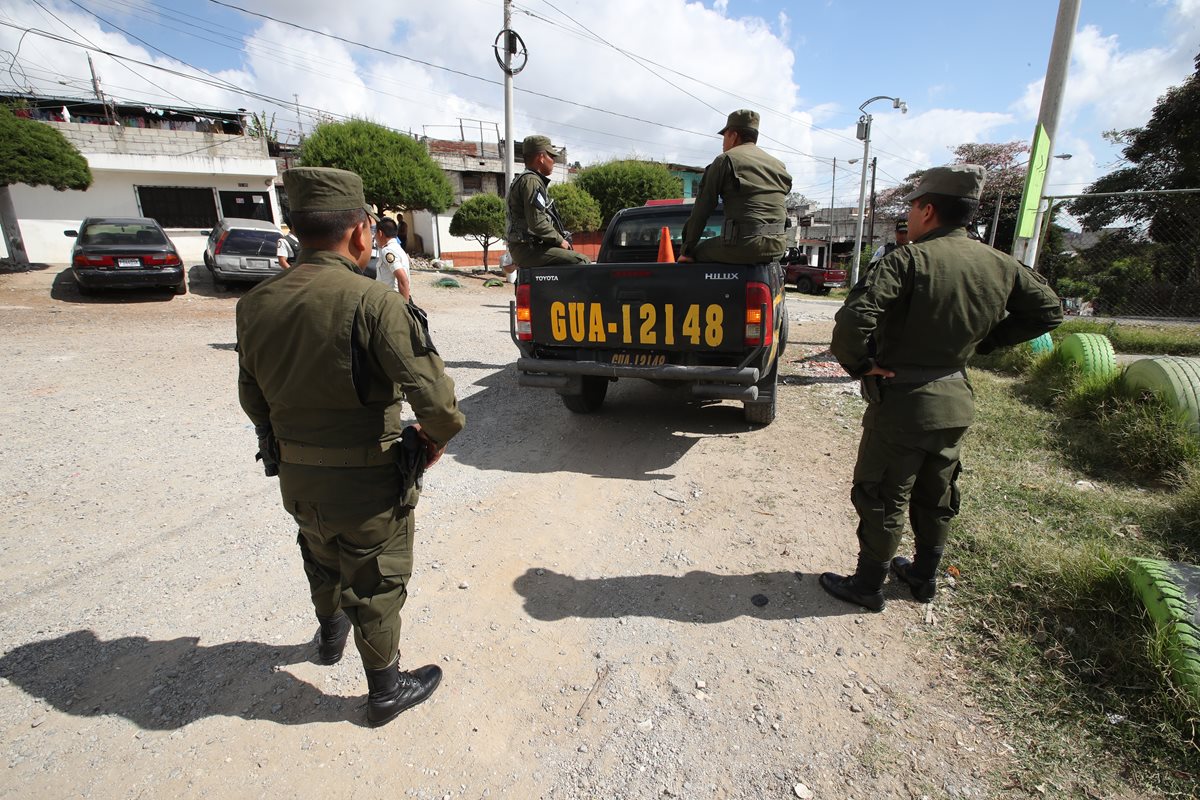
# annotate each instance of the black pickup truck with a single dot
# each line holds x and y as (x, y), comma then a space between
(718, 328)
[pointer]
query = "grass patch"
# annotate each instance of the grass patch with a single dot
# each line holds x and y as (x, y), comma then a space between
(1042, 608)
(1159, 340)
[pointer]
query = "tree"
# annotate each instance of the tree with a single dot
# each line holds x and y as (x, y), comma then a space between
(1005, 165)
(480, 218)
(617, 185)
(34, 154)
(397, 172)
(577, 209)
(796, 201)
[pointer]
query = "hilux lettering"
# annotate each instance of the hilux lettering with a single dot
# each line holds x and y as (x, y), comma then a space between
(720, 276)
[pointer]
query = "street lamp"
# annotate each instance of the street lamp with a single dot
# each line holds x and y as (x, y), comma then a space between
(864, 133)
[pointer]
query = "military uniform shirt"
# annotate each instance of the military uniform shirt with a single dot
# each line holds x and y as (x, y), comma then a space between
(530, 212)
(927, 307)
(391, 258)
(753, 186)
(327, 356)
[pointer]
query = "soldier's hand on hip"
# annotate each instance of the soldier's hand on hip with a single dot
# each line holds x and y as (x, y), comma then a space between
(433, 450)
(880, 371)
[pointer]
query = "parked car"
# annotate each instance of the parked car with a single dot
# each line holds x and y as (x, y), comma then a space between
(810, 280)
(242, 250)
(124, 253)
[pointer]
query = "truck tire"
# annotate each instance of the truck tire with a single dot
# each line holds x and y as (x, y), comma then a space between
(762, 410)
(591, 398)
(1042, 344)
(1174, 378)
(804, 284)
(1092, 352)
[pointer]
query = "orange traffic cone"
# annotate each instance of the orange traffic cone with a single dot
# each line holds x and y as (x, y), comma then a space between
(666, 253)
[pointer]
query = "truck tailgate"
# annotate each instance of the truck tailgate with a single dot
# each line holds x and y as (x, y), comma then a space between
(639, 307)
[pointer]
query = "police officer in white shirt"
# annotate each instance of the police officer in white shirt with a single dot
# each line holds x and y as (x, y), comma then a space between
(392, 267)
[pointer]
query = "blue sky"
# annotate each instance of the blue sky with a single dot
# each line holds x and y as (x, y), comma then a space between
(969, 71)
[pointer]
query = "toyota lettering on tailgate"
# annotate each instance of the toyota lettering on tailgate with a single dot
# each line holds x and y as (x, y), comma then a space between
(641, 324)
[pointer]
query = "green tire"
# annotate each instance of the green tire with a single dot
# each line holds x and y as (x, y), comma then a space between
(1092, 352)
(1174, 378)
(1042, 344)
(1169, 591)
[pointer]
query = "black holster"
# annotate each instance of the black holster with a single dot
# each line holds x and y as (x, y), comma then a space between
(871, 389)
(268, 449)
(411, 456)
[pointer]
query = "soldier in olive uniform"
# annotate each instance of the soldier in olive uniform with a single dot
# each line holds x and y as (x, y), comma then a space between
(535, 234)
(753, 186)
(326, 357)
(907, 331)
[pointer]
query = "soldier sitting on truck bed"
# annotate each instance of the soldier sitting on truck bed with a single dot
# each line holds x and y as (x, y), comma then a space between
(535, 234)
(753, 186)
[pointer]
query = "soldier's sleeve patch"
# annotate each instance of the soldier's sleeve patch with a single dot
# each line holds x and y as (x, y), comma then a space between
(391, 257)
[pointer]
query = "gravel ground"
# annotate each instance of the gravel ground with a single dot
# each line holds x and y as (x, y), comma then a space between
(625, 605)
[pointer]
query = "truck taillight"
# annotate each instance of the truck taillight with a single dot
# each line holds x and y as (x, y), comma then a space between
(524, 316)
(759, 315)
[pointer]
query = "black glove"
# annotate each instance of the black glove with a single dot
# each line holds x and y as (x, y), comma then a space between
(268, 449)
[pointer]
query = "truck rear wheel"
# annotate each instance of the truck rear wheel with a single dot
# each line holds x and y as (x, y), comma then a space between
(591, 398)
(804, 284)
(762, 410)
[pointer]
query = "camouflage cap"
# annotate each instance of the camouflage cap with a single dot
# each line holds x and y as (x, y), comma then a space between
(955, 180)
(742, 119)
(325, 189)
(540, 144)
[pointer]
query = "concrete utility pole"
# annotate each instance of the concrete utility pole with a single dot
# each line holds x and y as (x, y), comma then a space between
(832, 203)
(509, 154)
(95, 79)
(1029, 220)
(871, 229)
(299, 122)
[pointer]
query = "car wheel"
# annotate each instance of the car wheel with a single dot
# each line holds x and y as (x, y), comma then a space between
(804, 284)
(589, 401)
(762, 410)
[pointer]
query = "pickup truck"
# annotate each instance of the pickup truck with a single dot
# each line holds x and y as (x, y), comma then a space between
(811, 280)
(718, 329)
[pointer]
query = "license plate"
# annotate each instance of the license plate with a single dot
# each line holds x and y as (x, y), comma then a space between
(129, 263)
(637, 359)
(257, 263)
(643, 324)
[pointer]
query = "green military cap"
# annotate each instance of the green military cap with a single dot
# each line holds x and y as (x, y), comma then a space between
(955, 180)
(540, 144)
(325, 189)
(742, 119)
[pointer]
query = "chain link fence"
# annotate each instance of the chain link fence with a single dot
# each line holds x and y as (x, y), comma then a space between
(1141, 267)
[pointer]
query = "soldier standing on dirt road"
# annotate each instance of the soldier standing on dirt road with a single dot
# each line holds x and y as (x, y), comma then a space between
(326, 358)
(907, 331)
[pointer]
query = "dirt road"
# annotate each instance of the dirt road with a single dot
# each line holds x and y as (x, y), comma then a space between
(625, 605)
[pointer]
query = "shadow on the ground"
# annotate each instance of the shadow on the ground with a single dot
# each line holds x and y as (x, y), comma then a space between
(65, 290)
(10, 267)
(697, 597)
(163, 685)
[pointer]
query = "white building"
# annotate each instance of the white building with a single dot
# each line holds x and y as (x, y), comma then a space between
(186, 168)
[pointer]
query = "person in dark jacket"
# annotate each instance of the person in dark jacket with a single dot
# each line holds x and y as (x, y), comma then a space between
(907, 331)
(326, 359)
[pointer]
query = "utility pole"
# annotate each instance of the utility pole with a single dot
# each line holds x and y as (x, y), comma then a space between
(299, 122)
(995, 219)
(832, 201)
(509, 48)
(1029, 219)
(95, 79)
(871, 230)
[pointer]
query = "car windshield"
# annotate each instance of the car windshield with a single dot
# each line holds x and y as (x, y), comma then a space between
(241, 242)
(121, 233)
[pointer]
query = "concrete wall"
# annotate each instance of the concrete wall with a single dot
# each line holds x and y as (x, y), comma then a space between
(116, 139)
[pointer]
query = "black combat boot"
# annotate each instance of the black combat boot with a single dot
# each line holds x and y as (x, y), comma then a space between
(331, 638)
(862, 588)
(390, 691)
(921, 573)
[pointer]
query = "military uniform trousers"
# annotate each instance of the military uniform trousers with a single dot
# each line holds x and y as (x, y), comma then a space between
(527, 255)
(751, 250)
(358, 557)
(897, 472)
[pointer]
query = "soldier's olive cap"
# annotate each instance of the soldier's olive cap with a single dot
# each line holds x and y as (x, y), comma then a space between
(742, 119)
(540, 144)
(956, 180)
(325, 189)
